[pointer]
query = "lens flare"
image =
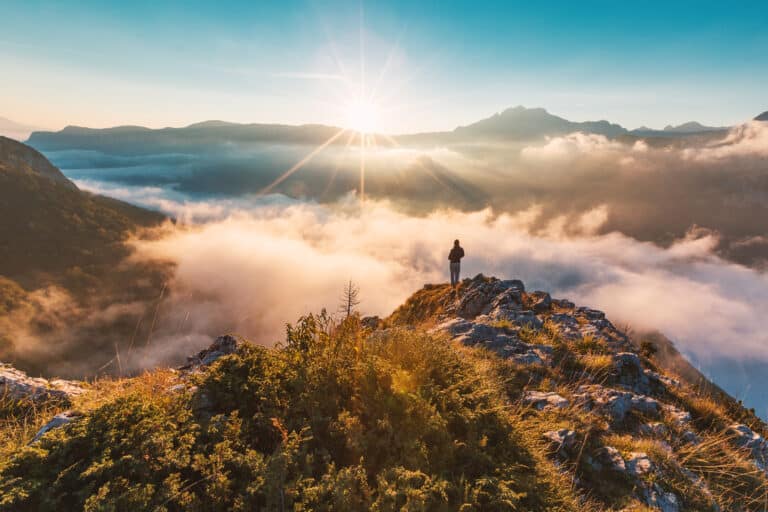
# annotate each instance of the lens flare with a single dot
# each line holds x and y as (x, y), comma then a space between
(362, 116)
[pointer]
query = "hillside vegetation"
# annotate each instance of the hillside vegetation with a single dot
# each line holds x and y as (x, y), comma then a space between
(43, 214)
(62, 255)
(483, 398)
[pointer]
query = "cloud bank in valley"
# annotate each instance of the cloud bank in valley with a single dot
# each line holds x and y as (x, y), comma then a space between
(259, 268)
(635, 228)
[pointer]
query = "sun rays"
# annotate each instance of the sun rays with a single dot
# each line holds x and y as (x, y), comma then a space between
(360, 108)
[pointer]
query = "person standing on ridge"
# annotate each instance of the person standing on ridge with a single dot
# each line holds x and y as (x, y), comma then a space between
(455, 258)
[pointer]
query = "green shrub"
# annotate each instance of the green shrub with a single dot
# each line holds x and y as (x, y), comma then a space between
(337, 419)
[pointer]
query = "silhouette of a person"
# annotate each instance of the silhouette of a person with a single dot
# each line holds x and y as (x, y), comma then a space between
(455, 258)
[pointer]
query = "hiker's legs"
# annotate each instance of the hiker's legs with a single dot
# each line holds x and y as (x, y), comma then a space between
(454, 273)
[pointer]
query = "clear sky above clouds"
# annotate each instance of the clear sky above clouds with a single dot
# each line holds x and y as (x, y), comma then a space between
(431, 64)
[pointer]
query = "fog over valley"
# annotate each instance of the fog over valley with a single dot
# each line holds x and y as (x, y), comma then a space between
(662, 232)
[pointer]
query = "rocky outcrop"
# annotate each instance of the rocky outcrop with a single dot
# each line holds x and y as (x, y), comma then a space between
(17, 385)
(614, 403)
(541, 400)
(623, 394)
(491, 313)
(564, 441)
(656, 497)
(59, 420)
(221, 346)
(749, 440)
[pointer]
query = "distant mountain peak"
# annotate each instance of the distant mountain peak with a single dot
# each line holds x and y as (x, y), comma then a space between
(529, 123)
(213, 123)
(691, 127)
(762, 117)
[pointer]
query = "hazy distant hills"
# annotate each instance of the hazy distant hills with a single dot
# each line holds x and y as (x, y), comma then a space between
(527, 123)
(685, 129)
(518, 123)
(199, 137)
(762, 117)
(62, 262)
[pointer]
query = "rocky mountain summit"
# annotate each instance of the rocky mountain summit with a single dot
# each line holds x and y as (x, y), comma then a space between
(625, 394)
(481, 397)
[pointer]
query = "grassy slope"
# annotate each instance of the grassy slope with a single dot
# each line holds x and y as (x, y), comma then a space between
(339, 419)
(342, 418)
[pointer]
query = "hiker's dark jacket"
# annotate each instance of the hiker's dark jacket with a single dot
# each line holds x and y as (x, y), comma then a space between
(456, 254)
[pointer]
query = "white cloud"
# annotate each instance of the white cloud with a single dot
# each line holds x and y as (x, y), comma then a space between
(259, 268)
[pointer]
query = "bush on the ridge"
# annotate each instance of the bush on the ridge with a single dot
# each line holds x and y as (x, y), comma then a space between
(338, 419)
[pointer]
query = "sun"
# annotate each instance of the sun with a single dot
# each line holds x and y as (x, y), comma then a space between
(362, 116)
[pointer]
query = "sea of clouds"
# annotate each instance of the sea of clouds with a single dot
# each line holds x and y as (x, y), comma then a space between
(248, 264)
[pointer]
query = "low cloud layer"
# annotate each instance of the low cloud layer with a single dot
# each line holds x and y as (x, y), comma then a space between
(259, 268)
(646, 230)
(653, 189)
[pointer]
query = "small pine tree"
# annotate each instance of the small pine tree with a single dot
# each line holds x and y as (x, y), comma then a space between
(349, 299)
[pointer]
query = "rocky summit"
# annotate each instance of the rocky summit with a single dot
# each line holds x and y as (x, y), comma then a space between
(486, 396)
(593, 374)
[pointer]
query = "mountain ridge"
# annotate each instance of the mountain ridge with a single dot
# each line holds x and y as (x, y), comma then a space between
(515, 123)
(532, 400)
(63, 258)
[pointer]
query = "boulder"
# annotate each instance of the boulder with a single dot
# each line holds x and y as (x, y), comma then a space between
(563, 304)
(372, 322)
(17, 385)
(590, 314)
(614, 403)
(690, 437)
(567, 324)
(563, 440)
(455, 326)
(480, 292)
(221, 346)
(639, 464)
(677, 417)
(653, 429)
(59, 420)
(539, 301)
(746, 438)
(608, 457)
(629, 373)
(656, 497)
(542, 400)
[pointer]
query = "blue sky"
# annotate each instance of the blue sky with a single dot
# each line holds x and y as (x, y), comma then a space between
(433, 65)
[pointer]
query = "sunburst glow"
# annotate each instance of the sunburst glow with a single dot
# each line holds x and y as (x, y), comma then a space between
(362, 116)
(361, 107)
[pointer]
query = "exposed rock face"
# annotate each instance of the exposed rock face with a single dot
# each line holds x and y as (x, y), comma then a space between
(17, 385)
(372, 322)
(59, 420)
(609, 457)
(639, 464)
(745, 437)
(491, 313)
(564, 441)
(614, 403)
(657, 498)
(628, 396)
(221, 346)
(541, 400)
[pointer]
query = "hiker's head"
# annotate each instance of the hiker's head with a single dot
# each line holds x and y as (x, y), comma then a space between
(456, 243)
